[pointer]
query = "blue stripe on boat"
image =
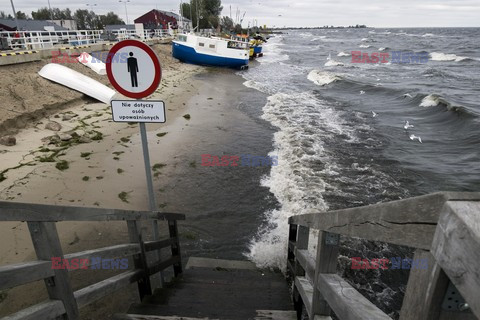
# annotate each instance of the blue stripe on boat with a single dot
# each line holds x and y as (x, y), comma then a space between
(188, 54)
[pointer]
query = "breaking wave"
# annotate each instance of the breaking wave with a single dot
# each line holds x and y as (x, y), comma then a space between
(323, 78)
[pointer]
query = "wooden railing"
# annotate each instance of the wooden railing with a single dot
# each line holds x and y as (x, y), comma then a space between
(444, 228)
(63, 301)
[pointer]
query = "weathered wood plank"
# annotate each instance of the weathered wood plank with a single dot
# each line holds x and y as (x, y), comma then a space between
(305, 290)
(456, 247)
(21, 273)
(175, 247)
(159, 244)
(150, 317)
(112, 252)
(46, 310)
(425, 290)
(17, 211)
(326, 262)
(47, 246)
(409, 222)
(162, 265)
(303, 234)
(276, 315)
(347, 302)
(307, 262)
(103, 288)
(140, 260)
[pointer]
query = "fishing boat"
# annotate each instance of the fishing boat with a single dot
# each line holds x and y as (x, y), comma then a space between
(211, 51)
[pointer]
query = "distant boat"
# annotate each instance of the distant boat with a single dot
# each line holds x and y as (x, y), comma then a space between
(256, 43)
(211, 51)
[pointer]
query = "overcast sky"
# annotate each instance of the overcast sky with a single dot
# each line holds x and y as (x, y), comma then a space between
(375, 13)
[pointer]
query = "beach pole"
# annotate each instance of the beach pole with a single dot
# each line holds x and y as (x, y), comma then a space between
(151, 194)
(126, 110)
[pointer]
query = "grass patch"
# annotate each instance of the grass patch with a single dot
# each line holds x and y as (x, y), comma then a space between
(162, 205)
(125, 139)
(85, 154)
(123, 196)
(116, 158)
(86, 178)
(98, 136)
(117, 153)
(187, 116)
(99, 178)
(62, 165)
(44, 150)
(189, 235)
(120, 171)
(161, 134)
(50, 158)
(193, 164)
(2, 177)
(158, 166)
(3, 296)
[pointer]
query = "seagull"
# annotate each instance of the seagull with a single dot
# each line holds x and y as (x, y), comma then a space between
(407, 95)
(407, 125)
(362, 92)
(374, 114)
(413, 137)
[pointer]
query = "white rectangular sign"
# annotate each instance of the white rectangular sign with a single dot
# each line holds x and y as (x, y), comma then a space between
(138, 111)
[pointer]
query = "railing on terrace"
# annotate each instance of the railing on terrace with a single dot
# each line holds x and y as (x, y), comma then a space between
(444, 229)
(49, 39)
(63, 301)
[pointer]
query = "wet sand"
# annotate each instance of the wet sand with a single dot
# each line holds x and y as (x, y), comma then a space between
(105, 169)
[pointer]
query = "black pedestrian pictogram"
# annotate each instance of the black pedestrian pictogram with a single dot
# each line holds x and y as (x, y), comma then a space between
(133, 69)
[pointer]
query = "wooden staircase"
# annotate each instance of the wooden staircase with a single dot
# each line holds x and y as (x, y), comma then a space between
(218, 289)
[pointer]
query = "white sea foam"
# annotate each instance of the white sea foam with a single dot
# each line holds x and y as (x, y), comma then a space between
(273, 51)
(364, 39)
(382, 49)
(256, 85)
(439, 56)
(318, 38)
(365, 46)
(323, 78)
(431, 100)
(333, 63)
(343, 54)
(428, 35)
(296, 182)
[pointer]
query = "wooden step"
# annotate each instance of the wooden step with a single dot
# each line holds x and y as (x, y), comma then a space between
(261, 315)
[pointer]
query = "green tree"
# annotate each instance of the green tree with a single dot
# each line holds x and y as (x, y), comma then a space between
(41, 14)
(109, 18)
(58, 14)
(86, 20)
(207, 10)
(21, 15)
(227, 23)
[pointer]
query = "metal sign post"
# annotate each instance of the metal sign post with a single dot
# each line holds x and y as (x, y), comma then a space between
(134, 70)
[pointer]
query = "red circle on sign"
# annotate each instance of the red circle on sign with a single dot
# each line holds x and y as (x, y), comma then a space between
(151, 54)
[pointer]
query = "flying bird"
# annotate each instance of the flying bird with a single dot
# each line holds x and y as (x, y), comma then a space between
(407, 95)
(407, 125)
(374, 114)
(414, 137)
(362, 92)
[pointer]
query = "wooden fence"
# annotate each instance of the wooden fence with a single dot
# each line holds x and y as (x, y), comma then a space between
(63, 301)
(444, 228)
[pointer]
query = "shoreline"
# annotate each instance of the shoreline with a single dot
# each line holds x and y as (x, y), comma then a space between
(109, 172)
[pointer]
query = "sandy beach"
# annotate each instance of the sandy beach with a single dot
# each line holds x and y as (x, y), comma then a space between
(100, 164)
